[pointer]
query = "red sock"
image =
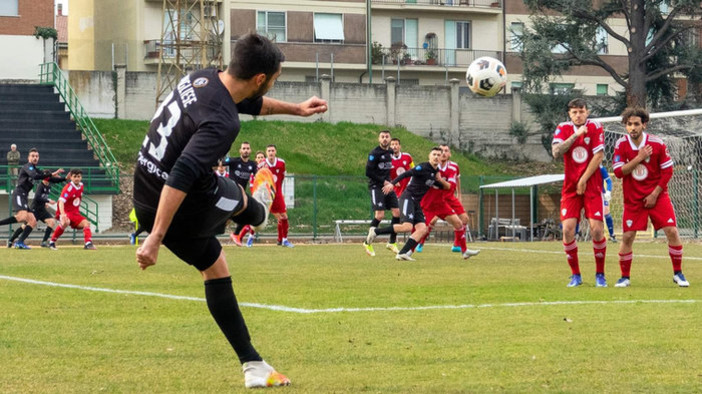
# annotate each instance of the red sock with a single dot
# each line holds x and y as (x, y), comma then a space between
(245, 230)
(571, 251)
(87, 235)
(456, 239)
(676, 254)
(286, 226)
(600, 249)
(280, 230)
(625, 263)
(460, 235)
(424, 238)
(57, 233)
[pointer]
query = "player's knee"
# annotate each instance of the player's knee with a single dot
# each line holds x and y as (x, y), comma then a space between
(672, 234)
(254, 214)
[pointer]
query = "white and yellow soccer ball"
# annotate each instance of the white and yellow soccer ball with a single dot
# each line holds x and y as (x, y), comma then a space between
(486, 76)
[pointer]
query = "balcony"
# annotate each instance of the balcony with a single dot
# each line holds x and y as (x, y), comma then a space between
(484, 4)
(436, 57)
(190, 52)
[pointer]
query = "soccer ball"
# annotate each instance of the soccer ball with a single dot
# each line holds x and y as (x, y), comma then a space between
(486, 76)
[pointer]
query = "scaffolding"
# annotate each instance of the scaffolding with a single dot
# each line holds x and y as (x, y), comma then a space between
(191, 39)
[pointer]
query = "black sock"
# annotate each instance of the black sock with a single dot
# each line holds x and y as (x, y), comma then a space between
(47, 234)
(393, 234)
(16, 234)
(238, 229)
(375, 222)
(138, 231)
(225, 310)
(409, 245)
(384, 230)
(25, 234)
(254, 214)
(9, 220)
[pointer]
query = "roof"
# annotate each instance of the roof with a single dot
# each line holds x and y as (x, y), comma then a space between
(62, 28)
(526, 182)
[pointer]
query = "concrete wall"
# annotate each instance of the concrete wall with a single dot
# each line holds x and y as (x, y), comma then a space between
(442, 113)
(22, 56)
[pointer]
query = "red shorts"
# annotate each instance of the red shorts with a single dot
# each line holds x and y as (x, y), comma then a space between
(635, 217)
(75, 217)
(571, 205)
(455, 204)
(278, 205)
(436, 209)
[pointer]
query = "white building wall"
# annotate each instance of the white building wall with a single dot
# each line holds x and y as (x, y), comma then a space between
(21, 57)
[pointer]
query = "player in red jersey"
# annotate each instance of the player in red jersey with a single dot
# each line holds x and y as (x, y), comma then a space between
(278, 209)
(68, 212)
(401, 162)
(581, 143)
(643, 163)
(435, 205)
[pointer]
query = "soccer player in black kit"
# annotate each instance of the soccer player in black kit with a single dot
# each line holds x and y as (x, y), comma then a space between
(242, 170)
(378, 169)
(25, 183)
(424, 176)
(183, 204)
(41, 198)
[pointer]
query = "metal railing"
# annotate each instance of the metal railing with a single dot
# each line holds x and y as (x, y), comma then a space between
(50, 74)
(437, 57)
(446, 3)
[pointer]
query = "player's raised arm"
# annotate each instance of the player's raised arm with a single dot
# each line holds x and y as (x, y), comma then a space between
(311, 106)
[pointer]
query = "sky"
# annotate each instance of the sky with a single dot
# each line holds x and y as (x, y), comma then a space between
(65, 6)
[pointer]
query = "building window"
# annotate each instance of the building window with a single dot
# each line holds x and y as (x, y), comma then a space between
(462, 35)
(9, 8)
(272, 25)
(602, 89)
(560, 48)
(517, 33)
(601, 44)
(397, 32)
(516, 84)
(561, 88)
(328, 28)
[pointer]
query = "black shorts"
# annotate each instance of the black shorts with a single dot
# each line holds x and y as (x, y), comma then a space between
(41, 214)
(192, 234)
(19, 200)
(382, 202)
(410, 211)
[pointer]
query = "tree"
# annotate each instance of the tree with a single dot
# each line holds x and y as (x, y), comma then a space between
(658, 44)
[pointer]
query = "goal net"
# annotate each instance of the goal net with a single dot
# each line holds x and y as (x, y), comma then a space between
(682, 133)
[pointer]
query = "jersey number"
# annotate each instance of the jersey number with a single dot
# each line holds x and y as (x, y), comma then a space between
(157, 152)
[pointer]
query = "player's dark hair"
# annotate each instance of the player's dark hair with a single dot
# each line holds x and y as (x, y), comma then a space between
(255, 54)
(33, 150)
(245, 142)
(384, 132)
(261, 152)
(76, 171)
(436, 148)
(446, 145)
(577, 103)
(271, 146)
(635, 111)
(395, 139)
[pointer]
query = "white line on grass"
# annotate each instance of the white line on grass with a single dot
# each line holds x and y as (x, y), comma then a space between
(561, 252)
(282, 308)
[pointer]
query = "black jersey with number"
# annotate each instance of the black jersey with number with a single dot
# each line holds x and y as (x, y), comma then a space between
(196, 124)
(27, 175)
(41, 195)
(423, 177)
(378, 167)
(241, 171)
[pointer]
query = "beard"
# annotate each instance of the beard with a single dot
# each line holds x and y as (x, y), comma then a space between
(263, 89)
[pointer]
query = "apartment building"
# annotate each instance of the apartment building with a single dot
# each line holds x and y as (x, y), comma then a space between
(22, 52)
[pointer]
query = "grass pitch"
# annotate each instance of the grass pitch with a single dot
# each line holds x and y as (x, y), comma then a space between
(335, 320)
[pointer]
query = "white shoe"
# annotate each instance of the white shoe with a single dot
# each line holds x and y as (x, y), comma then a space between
(405, 257)
(263, 191)
(392, 247)
(371, 235)
(260, 374)
(470, 253)
(623, 282)
(680, 280)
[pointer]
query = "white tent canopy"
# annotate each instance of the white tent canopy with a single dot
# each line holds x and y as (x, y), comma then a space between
(529, 182)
